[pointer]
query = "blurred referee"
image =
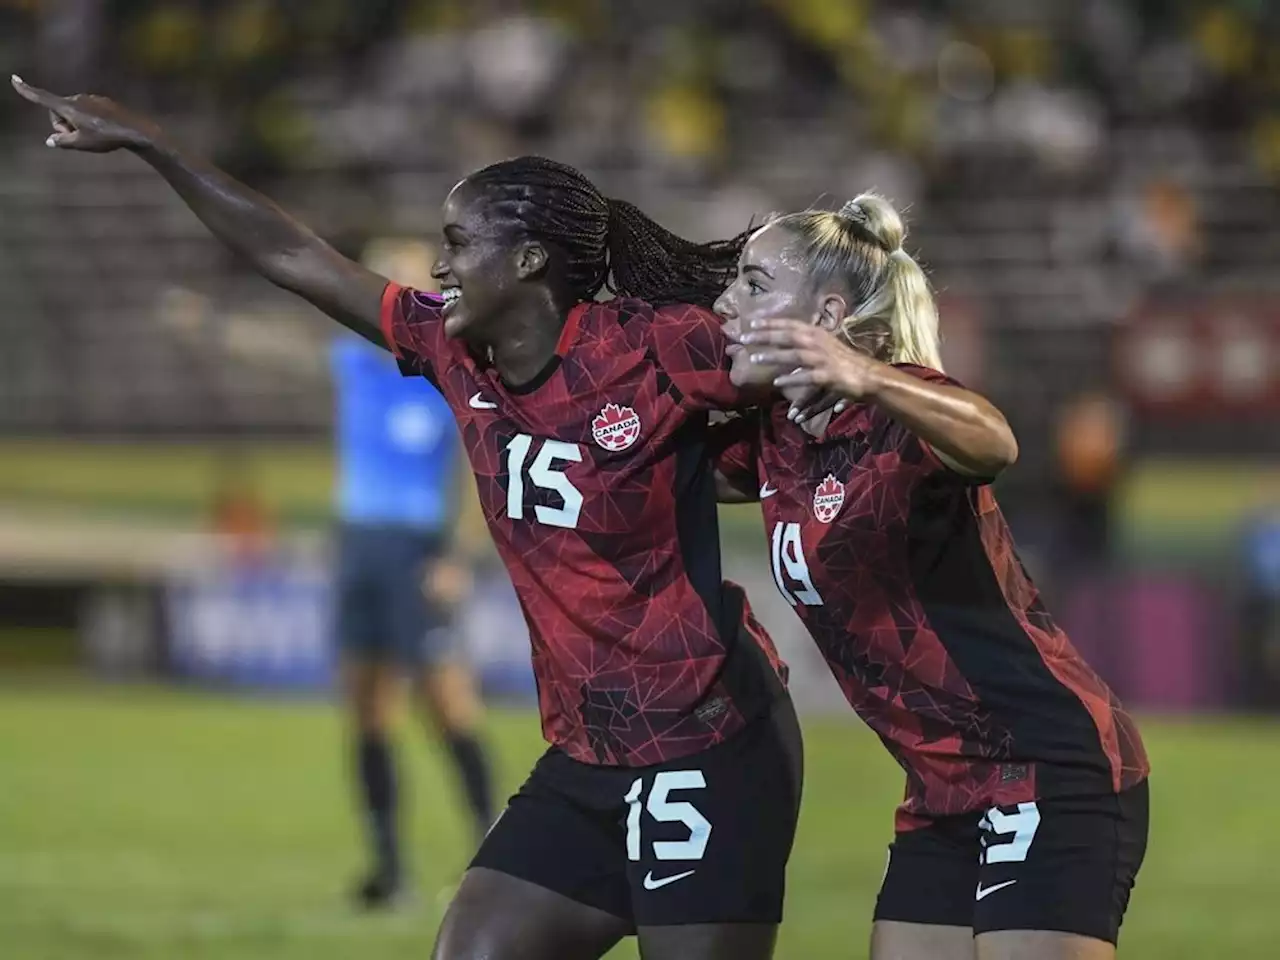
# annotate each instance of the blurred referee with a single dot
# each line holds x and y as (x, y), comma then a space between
(401, 570)
(399, 579)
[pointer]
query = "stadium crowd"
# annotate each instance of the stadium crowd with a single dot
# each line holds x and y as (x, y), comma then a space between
(1060, 164)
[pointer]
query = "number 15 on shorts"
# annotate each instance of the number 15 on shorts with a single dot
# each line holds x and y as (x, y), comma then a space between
(663, 809)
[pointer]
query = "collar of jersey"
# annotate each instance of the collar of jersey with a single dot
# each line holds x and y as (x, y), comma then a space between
(569, 333)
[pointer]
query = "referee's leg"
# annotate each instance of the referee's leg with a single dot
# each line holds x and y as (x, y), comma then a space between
(370, 677)
(444, 682)
(371, 693)
(451, 701)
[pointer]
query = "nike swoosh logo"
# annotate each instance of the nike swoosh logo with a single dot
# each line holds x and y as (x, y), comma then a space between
(478, 403)
(652, 884)
(983, 894)
(767, 491)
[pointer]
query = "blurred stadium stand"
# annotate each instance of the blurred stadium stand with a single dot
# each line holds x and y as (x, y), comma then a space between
(1053, 184)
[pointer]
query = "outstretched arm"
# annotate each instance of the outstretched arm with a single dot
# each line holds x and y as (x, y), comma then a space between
(279, 247)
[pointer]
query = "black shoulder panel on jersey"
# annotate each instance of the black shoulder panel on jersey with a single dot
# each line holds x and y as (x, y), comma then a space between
(697, 524)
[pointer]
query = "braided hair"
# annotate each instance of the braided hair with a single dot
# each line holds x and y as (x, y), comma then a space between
(606, 243)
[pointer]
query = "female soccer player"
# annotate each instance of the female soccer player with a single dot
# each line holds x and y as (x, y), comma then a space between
(1025, 819)
(667, 803)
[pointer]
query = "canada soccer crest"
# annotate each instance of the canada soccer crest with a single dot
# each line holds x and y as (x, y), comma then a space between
(828, 498)
(616, 428)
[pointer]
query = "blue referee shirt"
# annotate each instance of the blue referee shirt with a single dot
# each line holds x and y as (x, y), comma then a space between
(396, 442)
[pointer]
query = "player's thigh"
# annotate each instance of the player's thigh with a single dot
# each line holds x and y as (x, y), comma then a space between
(553, 836)
(895, 940)
(709, 941)
(1041, 945)
(1061, 866)
(709, 836)
(495, 916)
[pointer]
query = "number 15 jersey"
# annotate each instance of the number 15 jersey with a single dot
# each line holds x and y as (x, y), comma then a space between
(595, 483)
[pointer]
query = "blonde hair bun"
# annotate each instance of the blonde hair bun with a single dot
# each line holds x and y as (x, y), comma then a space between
(878, 217)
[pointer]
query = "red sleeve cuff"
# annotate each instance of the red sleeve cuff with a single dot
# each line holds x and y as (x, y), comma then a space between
(390, 297)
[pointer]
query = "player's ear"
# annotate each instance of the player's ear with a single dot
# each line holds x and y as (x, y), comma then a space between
(832, 309)
(532, 260)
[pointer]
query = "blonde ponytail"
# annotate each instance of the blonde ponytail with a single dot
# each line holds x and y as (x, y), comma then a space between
(901, 299)
(914, 319)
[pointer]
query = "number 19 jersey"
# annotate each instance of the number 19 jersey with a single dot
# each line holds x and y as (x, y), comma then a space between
(906, 576)
(594, 480)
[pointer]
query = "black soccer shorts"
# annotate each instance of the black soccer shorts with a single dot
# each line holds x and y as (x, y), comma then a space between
(701, 839)
(1066, 864)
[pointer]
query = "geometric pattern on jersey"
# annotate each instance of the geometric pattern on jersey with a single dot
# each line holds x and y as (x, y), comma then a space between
(925, 615)
(641, 652)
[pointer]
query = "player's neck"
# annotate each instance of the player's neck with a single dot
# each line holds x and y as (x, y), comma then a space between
(525, 350)
(816, 425)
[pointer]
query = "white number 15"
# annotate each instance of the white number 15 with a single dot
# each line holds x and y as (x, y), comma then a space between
(665, 811)
(543, 474)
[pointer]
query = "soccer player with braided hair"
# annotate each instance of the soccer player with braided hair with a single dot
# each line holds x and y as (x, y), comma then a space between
(1025, 817)
(667, 802)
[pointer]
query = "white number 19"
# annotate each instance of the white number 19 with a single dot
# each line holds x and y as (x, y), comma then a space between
(788, 558)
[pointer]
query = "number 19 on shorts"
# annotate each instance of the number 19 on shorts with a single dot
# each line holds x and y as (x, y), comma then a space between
(1006, 837)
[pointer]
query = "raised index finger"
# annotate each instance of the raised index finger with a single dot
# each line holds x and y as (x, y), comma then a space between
(43, 97)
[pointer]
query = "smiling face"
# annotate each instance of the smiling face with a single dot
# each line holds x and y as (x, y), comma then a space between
(484, 266)
(772, 283)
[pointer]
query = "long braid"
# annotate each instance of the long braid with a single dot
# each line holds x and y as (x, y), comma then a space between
(652, 263)
(607, 242)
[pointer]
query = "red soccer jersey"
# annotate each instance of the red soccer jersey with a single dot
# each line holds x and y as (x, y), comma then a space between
(906, 575)
(595, 482)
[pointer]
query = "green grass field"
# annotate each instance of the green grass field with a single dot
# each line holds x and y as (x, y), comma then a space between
(153, 824)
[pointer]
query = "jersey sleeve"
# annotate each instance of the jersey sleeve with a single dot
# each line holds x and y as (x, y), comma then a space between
(889, 436)
(689, 344)
(413, 327)
(734, 447)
